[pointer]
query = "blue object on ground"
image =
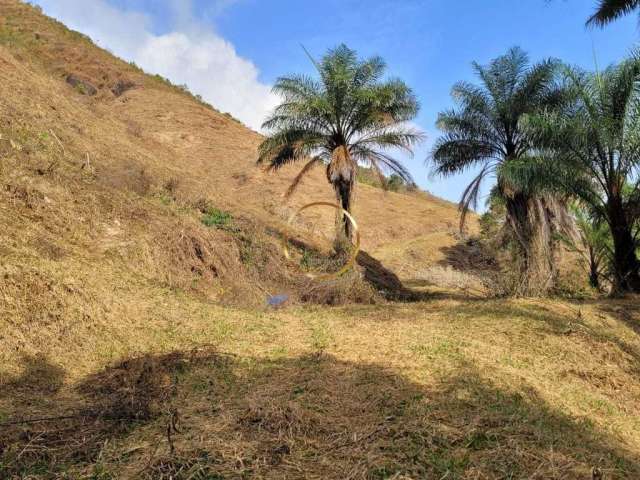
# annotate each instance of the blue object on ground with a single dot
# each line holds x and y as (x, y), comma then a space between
(277, 300)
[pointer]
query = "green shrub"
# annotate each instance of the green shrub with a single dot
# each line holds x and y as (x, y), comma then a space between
(214, 217)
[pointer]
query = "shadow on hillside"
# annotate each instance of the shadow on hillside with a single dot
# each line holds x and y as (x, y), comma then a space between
(388, 284)
(469, 256)
(382, 279)
(309, 416)
(571, 325)
(626, 311)
(39, 380)
(47, 429)
(385, 280)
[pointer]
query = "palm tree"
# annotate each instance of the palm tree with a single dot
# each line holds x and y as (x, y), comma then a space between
(594, 154)
(348, 116)
(485, 132)
(592, 243)
(610, 10)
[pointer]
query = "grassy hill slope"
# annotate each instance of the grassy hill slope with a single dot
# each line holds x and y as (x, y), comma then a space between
(135, 340)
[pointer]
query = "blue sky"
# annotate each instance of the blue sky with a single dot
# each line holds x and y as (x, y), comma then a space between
(244, 45)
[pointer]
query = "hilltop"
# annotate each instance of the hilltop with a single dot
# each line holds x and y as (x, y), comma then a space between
(138, 242)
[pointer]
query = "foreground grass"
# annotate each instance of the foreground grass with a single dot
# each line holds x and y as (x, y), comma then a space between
(442, 389)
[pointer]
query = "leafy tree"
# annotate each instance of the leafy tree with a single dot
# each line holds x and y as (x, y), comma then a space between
(593, 153)
(485, 131)
(610, 10)
(395, 183)
(348, 116)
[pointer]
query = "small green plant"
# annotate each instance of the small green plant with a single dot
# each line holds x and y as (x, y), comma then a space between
(164, 198)
(306, 259)
(100, 473)
(214, 217)
(321, 337)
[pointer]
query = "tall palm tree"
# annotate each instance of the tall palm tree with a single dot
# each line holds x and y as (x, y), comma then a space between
(610, 10)
(347, 116)
(485, 131)
(594, 154)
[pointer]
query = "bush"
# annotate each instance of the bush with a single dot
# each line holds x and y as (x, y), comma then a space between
(214, 217)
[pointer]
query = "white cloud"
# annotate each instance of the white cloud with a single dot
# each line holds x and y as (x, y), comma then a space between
(190, 54)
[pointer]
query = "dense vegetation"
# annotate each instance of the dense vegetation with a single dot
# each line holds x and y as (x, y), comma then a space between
(549, 135)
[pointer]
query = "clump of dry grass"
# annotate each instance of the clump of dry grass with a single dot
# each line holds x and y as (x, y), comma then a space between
(449, 277)
(348, 288)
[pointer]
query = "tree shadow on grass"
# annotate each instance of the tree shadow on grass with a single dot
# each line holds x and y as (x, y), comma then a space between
(627, 311)
(386, 281)
(313, 416)
(40, 378)
(49, 429)
(572, 325)
(469, 256)
(383, 280)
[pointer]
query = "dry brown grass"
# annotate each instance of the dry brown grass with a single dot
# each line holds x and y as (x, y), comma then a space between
(213, 155)
(485, 389)
(148, 331)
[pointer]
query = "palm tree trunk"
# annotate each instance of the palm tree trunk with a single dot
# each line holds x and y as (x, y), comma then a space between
(344, 230)
(594, 274)
(341, 173)
(531, 221)
(625, 261)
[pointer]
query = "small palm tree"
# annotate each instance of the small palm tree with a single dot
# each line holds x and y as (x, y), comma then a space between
(348, 116)
(485, 132)
(592, 243)
(610, 10)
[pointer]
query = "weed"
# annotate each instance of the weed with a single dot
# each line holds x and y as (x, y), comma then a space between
(217, 218)
(305, 260)
(443, 349)
(164, 198)
(384, 472)
(446, 466)
(171, 185)
(100, 473)
(320, 336)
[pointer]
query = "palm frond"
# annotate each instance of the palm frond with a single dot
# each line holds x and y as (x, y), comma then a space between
(471, 194)
(298, 178)
(452, 155)
(610, 10)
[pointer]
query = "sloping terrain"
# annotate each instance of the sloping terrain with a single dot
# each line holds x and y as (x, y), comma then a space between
(138, 241)
(137, 122)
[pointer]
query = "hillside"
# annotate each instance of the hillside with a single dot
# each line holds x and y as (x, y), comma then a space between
(136, 343)
(143, 142)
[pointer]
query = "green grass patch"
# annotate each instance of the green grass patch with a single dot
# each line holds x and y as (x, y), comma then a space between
(217, 218)
(321, 336)
(447, 348)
